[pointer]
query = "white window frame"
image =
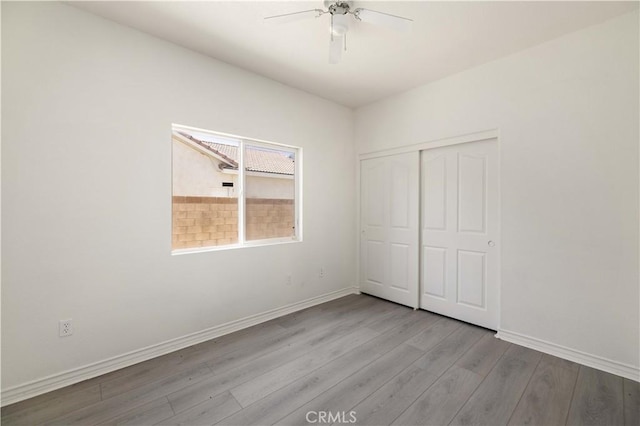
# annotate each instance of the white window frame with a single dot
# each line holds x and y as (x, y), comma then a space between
(297, 185)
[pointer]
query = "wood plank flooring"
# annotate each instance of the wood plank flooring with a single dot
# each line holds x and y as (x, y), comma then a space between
(358, 360)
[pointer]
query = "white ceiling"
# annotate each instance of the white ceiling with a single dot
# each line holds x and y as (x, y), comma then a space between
(447, 37)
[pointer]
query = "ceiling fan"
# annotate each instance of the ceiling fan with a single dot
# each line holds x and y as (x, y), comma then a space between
(340, 11)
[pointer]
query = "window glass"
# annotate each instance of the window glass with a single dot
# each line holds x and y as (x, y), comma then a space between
(215, 203)
(205, 190)
(269, 193)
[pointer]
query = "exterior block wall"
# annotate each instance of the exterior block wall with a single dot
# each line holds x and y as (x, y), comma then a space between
(204, 221)
(269, 218)
(213, 221)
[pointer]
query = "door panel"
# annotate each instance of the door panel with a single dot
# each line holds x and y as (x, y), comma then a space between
(400, 266)
(389, 248)
(375, 262)
(460, 232)
(471, 278)
(471, 193)
(374, 196)
(434, 270)
(399, 196)
(434, 180)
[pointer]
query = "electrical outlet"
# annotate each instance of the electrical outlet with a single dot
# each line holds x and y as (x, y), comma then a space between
(321, 272)
(65, 327)
(289, 280)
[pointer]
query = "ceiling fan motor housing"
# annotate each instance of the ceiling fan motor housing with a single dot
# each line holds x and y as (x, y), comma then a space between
(339, 7)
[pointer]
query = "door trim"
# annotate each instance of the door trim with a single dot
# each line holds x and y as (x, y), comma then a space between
(437, 143)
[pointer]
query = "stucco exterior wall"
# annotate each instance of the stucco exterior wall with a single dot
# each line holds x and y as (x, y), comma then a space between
(196, 174)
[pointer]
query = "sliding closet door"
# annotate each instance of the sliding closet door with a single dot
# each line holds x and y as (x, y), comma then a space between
(460, 232)
(389, 211)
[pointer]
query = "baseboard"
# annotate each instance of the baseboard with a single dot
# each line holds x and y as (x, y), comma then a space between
(599, 363)
(69, 377)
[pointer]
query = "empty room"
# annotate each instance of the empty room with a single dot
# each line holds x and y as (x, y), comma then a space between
(320, 212)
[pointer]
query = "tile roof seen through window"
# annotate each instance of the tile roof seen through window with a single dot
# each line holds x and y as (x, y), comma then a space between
(257, 159)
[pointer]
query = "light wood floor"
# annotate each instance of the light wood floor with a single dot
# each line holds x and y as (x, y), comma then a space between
(386, 363)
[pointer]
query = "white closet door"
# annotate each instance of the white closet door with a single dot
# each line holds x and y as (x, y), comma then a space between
(460, 232)
(389, 212)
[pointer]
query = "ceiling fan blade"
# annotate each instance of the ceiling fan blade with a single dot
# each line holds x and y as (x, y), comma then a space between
(394, 22)
(335, 49)
(295, 16)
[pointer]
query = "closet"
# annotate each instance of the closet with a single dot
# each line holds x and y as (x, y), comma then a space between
(430, 229)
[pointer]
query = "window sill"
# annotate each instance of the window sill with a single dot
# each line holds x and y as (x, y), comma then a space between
(248, 244)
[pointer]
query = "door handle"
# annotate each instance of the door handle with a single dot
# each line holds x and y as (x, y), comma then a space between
(491, 243)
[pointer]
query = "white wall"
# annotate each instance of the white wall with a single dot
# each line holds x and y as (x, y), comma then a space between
(87, 108)
(567, 112)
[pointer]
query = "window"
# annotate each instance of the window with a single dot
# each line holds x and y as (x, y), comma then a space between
(232, 192)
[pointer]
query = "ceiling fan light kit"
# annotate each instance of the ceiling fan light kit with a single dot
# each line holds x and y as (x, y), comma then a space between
(339, 25)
